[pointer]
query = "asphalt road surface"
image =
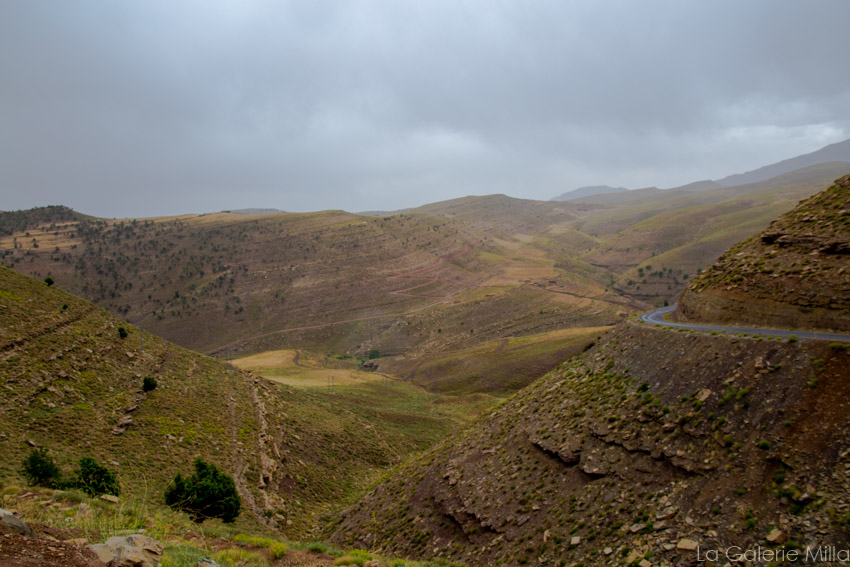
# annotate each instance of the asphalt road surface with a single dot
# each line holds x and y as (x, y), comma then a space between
(659, 317)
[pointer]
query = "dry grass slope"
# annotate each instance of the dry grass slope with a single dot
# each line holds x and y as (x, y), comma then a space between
(73, 385)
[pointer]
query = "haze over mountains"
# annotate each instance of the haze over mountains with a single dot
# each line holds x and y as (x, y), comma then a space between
(282, 285)
(444, 277)
(463, 381)
(837, 152)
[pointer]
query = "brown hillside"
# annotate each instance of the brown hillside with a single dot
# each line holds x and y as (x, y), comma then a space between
(209, 280)
(657, 244)
(71, 384)
(448, 277)
(795, 274)
(651, 438)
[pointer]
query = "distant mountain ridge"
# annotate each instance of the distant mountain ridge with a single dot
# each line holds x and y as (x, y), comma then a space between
(588, 192)
(837, 152)
(255, 211)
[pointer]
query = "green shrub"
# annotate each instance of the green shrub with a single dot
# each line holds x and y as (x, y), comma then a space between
(148, 384)
(40, 470)
(181, 555)
(95, 479)
(793, 339)
(277, 550)
(122, 332)
(240, 558)
(317, 547)
(49, 281)
(208, 493)
(764, 445)
(354, 557)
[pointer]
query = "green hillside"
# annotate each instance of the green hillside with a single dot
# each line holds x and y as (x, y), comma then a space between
(73, 385)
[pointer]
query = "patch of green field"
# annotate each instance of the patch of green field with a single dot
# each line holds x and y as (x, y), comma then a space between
(501, 366)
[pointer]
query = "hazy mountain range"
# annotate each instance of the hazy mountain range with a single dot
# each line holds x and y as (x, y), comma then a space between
(839, 151)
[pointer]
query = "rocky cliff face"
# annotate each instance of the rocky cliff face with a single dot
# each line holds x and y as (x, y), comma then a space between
(647, 445)
(795, 274)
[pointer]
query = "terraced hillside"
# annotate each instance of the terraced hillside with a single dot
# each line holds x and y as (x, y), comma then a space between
(794, 274)
(334, 281)
(448, 277)
(648, 446)
(72, 384)
(656, 244)
(208, 280)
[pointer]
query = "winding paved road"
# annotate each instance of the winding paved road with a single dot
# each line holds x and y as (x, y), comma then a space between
(659, 317)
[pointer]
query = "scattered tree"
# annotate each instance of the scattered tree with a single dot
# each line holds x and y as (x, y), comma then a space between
(208, 493)
(95, 479)
(374, 353)
(41, 470)
(122, 332)
(49, 281)
(148, 384)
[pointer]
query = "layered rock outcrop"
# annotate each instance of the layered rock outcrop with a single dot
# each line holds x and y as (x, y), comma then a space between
(650, 440)
(795, 274)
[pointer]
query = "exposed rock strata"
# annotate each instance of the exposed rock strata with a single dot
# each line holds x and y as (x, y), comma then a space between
(795, 274)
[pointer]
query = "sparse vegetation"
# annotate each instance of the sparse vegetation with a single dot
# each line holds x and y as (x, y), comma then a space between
(41, 470)
(598, 450)
(206, 493)
(94, 479)
(149, 384)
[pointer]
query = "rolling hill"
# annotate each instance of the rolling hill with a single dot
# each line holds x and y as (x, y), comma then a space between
(446, 277)
(644, 448)
(839, 151)
(73, 385)
(588, 192)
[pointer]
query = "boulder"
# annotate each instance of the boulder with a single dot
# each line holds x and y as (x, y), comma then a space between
(130, 551)
(777, 536)
(10, 523)
(123, 424)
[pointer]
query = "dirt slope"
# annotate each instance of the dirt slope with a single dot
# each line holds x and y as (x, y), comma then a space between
(794, 274)
(649, 438)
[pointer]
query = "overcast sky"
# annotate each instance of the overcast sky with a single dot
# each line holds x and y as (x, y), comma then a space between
(147, 107)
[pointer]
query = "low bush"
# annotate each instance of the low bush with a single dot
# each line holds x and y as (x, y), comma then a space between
(207, 493)
(41, 470)
(95, 479)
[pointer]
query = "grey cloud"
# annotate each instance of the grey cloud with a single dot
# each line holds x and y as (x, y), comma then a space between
(156, 107)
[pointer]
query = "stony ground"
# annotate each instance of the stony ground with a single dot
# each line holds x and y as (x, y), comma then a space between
(795, 274)
(651, 440)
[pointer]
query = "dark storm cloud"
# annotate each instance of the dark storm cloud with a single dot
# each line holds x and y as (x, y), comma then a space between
(161, 107)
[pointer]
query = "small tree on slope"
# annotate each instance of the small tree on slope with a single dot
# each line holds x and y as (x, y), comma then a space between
(207, 493)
